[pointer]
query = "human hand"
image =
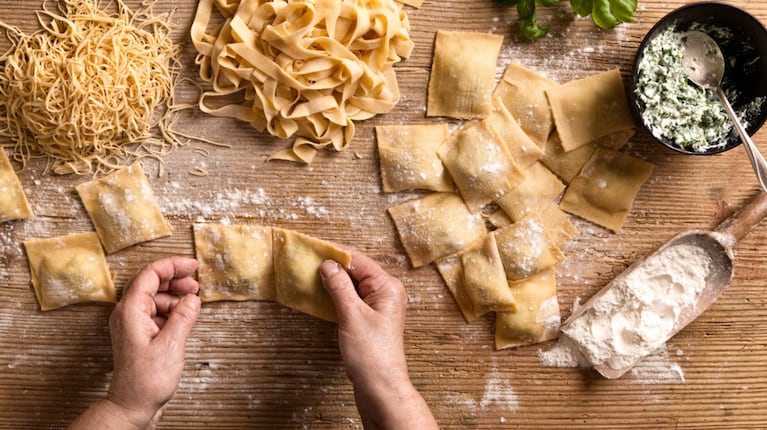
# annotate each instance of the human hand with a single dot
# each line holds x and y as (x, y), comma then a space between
(371, 325)
(149, 329)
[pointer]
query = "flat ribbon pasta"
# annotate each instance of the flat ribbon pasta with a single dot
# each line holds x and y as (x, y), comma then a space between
(301, 68)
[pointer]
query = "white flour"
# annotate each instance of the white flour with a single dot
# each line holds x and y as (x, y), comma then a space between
(637, 315)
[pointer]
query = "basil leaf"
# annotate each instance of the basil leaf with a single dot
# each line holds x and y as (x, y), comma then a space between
(526, 9)
(609, 13)
(530, 28)
(581, 7)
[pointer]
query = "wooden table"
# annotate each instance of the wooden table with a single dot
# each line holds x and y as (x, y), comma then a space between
(260, 365)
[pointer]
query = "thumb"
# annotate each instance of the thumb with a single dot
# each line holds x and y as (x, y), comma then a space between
(340, 287)
(181, 320)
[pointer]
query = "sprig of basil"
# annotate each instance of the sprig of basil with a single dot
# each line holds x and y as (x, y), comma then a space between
(605, 13)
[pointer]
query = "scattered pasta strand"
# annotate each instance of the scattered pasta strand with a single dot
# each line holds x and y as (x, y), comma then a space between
(84, 89)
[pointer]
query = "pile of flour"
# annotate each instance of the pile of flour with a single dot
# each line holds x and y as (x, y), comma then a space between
(637, 315)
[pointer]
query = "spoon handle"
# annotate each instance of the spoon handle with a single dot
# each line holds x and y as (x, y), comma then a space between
(756, 158)
(741, 222)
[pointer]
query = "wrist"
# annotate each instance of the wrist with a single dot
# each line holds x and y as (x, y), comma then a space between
(128, 418)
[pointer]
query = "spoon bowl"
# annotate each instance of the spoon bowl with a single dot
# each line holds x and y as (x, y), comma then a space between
(743, 41)
(704, 64)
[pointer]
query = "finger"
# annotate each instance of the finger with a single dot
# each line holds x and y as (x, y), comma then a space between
(165, 302)
(186, 285)
(340, 287)
(371, 277)
(180, 321)
(160, 273)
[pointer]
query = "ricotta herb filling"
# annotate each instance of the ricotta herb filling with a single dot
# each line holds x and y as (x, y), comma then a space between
(682, 112)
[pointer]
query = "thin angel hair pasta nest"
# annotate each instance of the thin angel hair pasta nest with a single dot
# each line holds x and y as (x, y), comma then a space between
(83, 89)
(303, 69)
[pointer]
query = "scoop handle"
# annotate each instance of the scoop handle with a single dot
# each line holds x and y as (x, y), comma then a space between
(737, 225)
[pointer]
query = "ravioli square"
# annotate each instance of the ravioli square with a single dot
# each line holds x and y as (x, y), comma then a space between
(523, 92)
(463, 74)
(435, 226)
(604, 191)
(451, 270)
(520, 147)
(537, 317)
(13, 201)
(235, 262)
(123, 208)
(537, 191)
(484, 277)
(71, 269)
(589, 108)
(408, 157)
(297, 283)
(480, 165)
(526, 248)
(568, 164)
(558, 226)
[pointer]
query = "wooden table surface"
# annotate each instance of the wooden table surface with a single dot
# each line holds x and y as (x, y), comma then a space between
(260, 365)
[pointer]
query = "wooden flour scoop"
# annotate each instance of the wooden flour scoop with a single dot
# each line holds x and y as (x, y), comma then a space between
(718, 245)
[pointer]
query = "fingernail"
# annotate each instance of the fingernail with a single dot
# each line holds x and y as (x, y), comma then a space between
(329, 268)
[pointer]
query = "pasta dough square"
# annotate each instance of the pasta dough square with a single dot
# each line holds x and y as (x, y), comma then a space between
(523, 92)
(297, 283)
(235, 262)
(537, 318)
(557, 225)
(526, 248)
(451, 270)
(435, 226)
(480, 166)
(604, 191)
(587, 109)
(69, 269)
(537, 191)
(123, 208)
(520, 147)
(13, 201)
(566, 165)
(463, 74)
(408, 157)
(484, 277)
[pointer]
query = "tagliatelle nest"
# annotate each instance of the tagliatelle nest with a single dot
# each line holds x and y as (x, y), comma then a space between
(302, 68)
(85, 87)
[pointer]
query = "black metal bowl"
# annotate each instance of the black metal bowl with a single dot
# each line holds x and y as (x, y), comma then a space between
(745, 53)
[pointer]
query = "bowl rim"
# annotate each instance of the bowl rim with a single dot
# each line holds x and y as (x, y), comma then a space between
(662, 23)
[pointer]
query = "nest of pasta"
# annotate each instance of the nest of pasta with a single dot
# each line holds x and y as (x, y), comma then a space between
(84, 89)
(303, 69)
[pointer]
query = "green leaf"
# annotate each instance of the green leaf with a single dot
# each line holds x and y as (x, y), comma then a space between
(624, 9)
(602, 14)
(582, 7)
(609, 13)
(530, 28)
(526, 10)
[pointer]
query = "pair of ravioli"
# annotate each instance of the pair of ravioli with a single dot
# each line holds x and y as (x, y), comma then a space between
(13, 201)
(243, 262)
(123, 208)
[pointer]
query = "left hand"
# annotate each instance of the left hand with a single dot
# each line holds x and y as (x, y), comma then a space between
(149, 329)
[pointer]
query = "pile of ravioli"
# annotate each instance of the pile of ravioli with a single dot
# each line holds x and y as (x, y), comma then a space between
(528, 151)
(236, 262)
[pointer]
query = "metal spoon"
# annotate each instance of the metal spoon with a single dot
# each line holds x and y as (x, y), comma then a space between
(704, 64)
(717, 244)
